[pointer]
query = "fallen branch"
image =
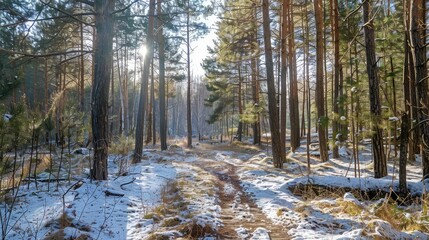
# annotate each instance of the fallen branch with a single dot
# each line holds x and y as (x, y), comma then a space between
(123, 184)
(115, 194)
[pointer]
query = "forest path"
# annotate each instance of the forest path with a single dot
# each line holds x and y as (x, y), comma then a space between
(240, 216)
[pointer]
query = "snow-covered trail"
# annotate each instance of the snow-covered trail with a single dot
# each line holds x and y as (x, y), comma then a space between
(241, 217)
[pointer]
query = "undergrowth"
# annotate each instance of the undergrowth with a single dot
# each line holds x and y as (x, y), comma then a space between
(401, 217)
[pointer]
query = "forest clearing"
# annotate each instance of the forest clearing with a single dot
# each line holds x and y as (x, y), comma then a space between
(204, 119)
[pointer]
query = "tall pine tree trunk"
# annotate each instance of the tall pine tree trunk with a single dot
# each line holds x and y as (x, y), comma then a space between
(293, 98)
(380, 164)
(284, 52)
(100, 89)
(188, 93)
(162, 104)
(418, 49)
(143, 90)
(320, 99)
(336, 90)
(276, 141)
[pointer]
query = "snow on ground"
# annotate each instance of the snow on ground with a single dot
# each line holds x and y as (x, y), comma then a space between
(129, 206)
(343, 217)
(96, 209)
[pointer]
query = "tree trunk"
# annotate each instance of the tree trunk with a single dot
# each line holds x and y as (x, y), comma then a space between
(380, 164)
(277, 143)
(126, 107)
(100, 89)
(403, 138)
(143, 90)
(188, 93)
(255, 83)
(284, 52)
(162, 104)
(320, 99)
(293, 98)
(418, 49)
(152, 90)
(82, 71)
(336, 88)
(240, 106)
(150, 108)
(255, 96)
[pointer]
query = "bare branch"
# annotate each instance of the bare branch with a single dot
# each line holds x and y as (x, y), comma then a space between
(2, 50)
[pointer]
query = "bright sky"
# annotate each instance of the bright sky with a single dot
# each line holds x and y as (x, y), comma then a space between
(200, 47)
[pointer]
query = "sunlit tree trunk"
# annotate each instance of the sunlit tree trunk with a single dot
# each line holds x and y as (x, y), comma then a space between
(277, 143)
(143, 90)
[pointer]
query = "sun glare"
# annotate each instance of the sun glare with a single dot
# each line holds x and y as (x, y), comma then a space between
(142, 50)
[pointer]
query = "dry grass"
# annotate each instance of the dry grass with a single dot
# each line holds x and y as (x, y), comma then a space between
(400, 218)
(63, 222)
(22, 170)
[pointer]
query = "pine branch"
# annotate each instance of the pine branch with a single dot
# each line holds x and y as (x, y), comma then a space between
(66, 13)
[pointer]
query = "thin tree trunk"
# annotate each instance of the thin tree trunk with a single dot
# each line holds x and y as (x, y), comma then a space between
(255, 96)
(138, 151)
(162, 104)
(240, 105)
(336, 88)
(284, 52)
(150, 108)
(188, 93)
(403, 153)
(408, 79)
(152, 90)
(320, 100)
(82, 71)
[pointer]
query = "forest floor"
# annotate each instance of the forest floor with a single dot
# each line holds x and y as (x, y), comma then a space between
(218, 191)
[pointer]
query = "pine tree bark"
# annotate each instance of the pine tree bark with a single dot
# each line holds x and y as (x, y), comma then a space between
(320, 98)
(380, 164)
(255, 83)
(255, 97)
(336, 90)
(295, 140)
(100, 89)
(418, 50)
(138, 150)
(403, 153)
(162, 104)
(277, 143)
